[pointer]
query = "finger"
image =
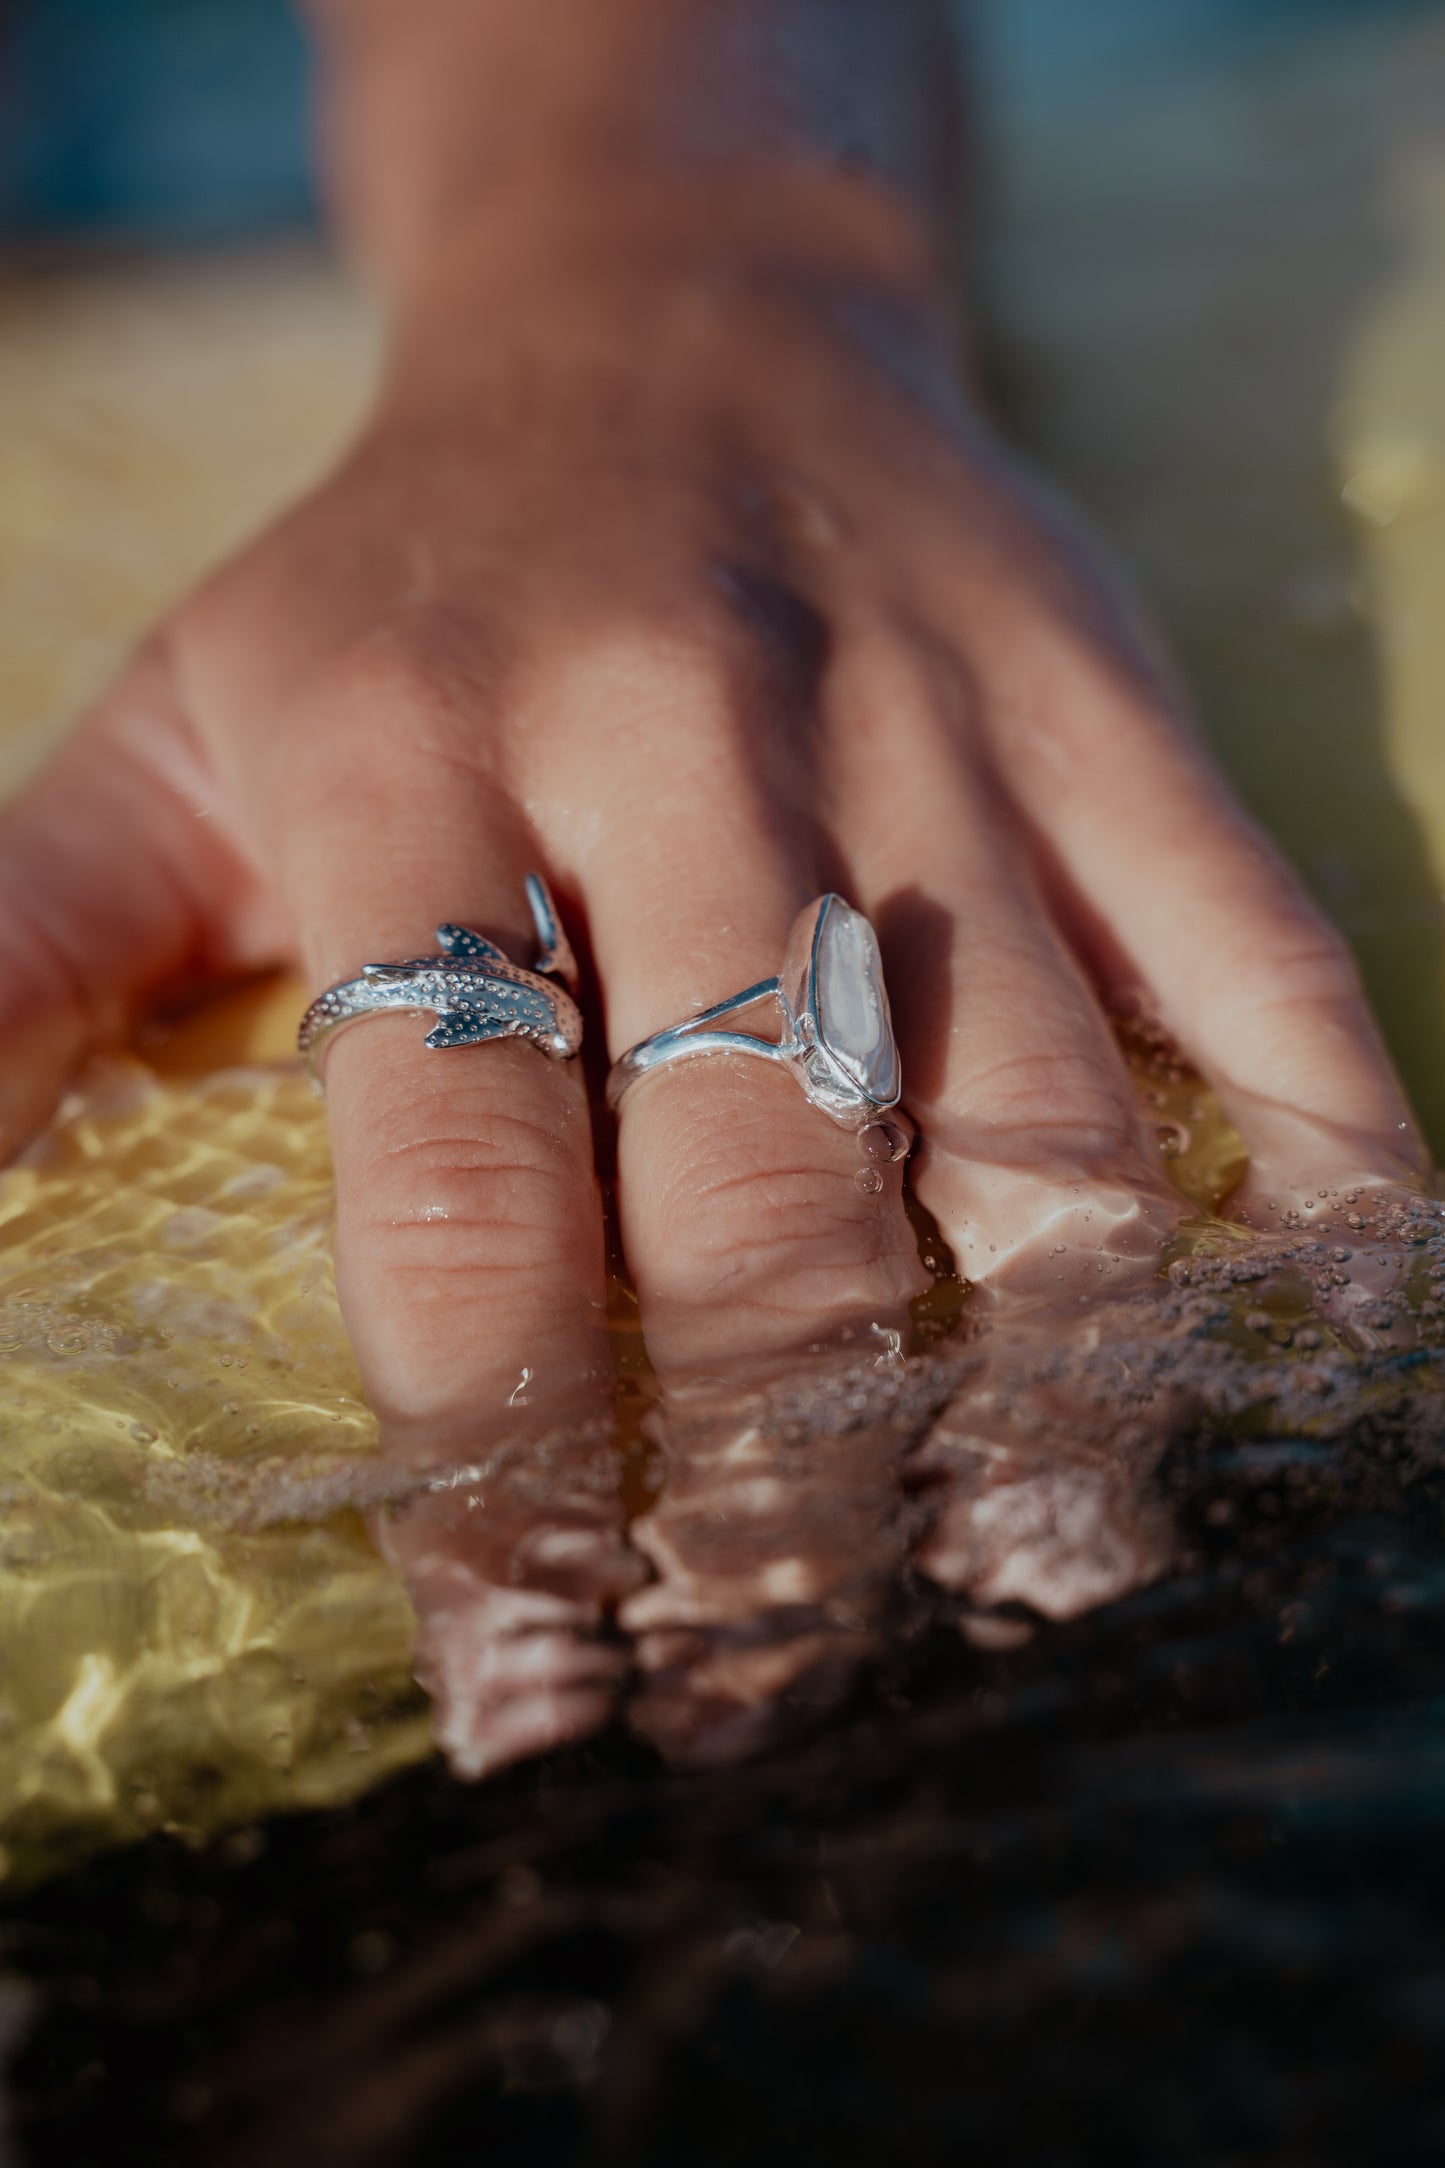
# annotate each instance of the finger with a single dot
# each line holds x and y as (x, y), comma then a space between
(510, 1570)
(775, 1544)
(469, 1252)
(116, 878)
(1039, 1475)
(751, 1221)
(1256, 986)
(1033, 1154)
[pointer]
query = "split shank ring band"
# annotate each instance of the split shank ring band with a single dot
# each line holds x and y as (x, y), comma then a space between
(475, 992)
(837, 1037)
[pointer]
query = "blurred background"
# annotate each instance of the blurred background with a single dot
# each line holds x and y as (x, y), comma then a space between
(184, 121)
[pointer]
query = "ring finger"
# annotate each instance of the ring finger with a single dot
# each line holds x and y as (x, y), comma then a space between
(747, 1229)
(1034, 1160)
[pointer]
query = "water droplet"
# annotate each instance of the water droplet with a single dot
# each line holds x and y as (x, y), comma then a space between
(868, 1180)
(1172, 1139)
(143, 1434)
(887, 1141)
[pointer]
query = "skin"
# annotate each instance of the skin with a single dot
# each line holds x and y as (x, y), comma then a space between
(677, 562)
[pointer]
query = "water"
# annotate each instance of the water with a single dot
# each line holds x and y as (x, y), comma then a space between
(887, 1141)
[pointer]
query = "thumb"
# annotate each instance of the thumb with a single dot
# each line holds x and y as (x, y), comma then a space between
(114, 881)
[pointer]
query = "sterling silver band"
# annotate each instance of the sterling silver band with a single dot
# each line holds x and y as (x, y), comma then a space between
(837, 1034)
(474, 990)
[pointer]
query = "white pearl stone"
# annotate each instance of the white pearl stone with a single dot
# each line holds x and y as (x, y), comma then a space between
(852, 1005)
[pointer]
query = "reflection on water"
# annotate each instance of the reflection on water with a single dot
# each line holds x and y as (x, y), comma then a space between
(198, 1627)
(171, 1353)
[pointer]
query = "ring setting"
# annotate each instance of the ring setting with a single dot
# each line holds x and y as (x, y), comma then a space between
(837, 1034)
(474, 990)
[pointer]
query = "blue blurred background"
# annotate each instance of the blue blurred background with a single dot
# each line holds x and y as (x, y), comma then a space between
(184, 121)
(178, 121)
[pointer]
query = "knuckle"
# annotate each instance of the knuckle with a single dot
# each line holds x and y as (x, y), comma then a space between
(404, 692)
(39, 968)
(1071, 1103)
(392, 670)
(499, 1193)
(747, 1212)
(1288, 966)
(1307, 962)
(708, 662)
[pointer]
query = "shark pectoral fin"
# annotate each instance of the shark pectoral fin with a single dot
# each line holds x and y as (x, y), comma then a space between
(461, 941)
(465, 1030)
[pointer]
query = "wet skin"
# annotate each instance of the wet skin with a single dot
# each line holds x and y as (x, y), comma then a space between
(677, 562)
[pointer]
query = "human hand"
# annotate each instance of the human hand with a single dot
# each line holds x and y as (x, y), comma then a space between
(679, 568)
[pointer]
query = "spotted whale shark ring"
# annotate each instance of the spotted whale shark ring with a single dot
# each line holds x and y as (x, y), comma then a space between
(837, 1034)
(475, 991)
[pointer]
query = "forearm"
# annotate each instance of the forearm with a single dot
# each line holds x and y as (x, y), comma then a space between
(488, 118)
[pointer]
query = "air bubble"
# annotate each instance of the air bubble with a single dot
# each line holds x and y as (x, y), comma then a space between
(887, 1141)
(868, 1180)
(1172, 1139)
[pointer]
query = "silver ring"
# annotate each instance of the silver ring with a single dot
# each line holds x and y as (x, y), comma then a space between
(475, 992)
(837, 1035)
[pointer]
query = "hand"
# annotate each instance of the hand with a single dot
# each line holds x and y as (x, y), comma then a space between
(679, 568)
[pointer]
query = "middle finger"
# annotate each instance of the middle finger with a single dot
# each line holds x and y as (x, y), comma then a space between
(748, 1231)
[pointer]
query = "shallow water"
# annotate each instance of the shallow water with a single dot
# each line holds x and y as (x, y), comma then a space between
(1027, 1741)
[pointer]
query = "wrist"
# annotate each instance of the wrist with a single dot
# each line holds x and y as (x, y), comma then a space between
(725, 282)
(457, 128)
